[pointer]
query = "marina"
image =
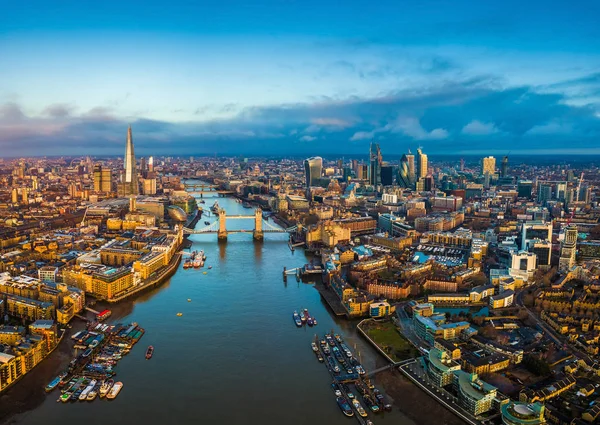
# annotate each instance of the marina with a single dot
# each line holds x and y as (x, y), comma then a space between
(350, 379)
(98, 349)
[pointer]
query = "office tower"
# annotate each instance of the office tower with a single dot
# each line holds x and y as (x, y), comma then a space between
(14, 197)
(102, 179)
(313, 167)
(488, 165)
(387, 175)
(570, 176)
(340, 163)
(143, 166)
(363, 172)
(25, 195)
(524, 188)
(504, 169)
(544, 193)
(561, 191)
(536, 230)
(568, 249)
(375, 162)
(584, 194)
(421, 164)
(151, 164)
(34, 183)
(412, 176)
(355, 166)
(347, 173)
(404, 179)
(129, 178)
(462, 164)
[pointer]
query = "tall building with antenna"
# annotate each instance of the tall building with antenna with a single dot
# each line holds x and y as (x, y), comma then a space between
(129, 178)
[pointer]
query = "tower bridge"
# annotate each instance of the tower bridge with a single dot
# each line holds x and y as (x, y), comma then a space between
(219, 226)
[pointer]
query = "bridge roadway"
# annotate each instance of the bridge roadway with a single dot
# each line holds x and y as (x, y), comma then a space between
(198, 232)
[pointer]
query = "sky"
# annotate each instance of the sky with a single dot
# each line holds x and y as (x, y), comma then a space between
(286, 77)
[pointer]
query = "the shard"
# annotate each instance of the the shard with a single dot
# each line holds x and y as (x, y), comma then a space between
(129, 180)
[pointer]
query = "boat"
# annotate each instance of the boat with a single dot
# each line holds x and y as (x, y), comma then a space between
(105, 387)
(320, 358)
(189, 300)
(187, 264)
(349, 393)
(87, 352)
(207, 223)
(209, 267)
(309, 321)
(65, 397)
(86, 390)
(53, 384)
(314, 347)
(246, 205)
(346, 409)
(179, 314)
(204, 272)
(149, 352)
(371, 404)
(369, 422)
(329, 340)
(114, 391)
(361, 411)
(314, 322)
(92, 394)
(297, 319)
(215, 208)
(338, 338)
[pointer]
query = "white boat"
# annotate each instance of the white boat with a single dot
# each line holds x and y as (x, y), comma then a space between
(105, 387)
(86, 391)
(314, 347)
(114, 391)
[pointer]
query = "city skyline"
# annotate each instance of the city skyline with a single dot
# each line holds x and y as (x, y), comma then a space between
(457, 78)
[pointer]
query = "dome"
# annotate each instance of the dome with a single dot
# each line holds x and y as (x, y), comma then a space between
(176, 213)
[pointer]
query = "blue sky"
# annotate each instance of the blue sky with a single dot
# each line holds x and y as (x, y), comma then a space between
(301, 77)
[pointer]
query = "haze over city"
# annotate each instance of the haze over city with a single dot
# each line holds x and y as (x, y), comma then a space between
(300, 77)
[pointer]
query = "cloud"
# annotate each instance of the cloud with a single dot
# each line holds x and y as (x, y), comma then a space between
(58, 110)
(362, 135)
(11, 112)
(477, 128)
(446, 116)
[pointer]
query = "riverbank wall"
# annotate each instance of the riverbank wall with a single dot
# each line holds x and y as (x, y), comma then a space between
(373, 343)
(163, 275)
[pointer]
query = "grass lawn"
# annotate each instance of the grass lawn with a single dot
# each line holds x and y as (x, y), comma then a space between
(387, 337)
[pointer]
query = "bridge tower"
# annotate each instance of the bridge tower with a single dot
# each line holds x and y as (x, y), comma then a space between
(258, 231)
(222, 232)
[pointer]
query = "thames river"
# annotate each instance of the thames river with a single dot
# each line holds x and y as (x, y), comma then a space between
(234, 356)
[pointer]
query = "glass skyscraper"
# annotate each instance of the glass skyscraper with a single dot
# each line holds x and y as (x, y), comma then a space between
(376, 161)
(129, 178)
(313, 168)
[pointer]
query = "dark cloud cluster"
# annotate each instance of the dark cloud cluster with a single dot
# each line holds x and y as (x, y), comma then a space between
(452, 117)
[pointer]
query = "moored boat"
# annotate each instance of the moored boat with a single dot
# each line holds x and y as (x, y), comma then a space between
(309, 321)
(149, 352)
(314, 347)
(345, 407)
(65, 397)
(115, 390)
(53, 384)
(361, 411)
(105, 387)
(297, 319)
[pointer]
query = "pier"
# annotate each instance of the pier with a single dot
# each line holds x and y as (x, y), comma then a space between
(334, 353)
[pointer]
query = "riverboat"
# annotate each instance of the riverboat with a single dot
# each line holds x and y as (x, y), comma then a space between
(149, 352)
(345, 407)
(114, 391)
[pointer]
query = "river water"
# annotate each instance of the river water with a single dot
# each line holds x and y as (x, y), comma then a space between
(235, 355)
